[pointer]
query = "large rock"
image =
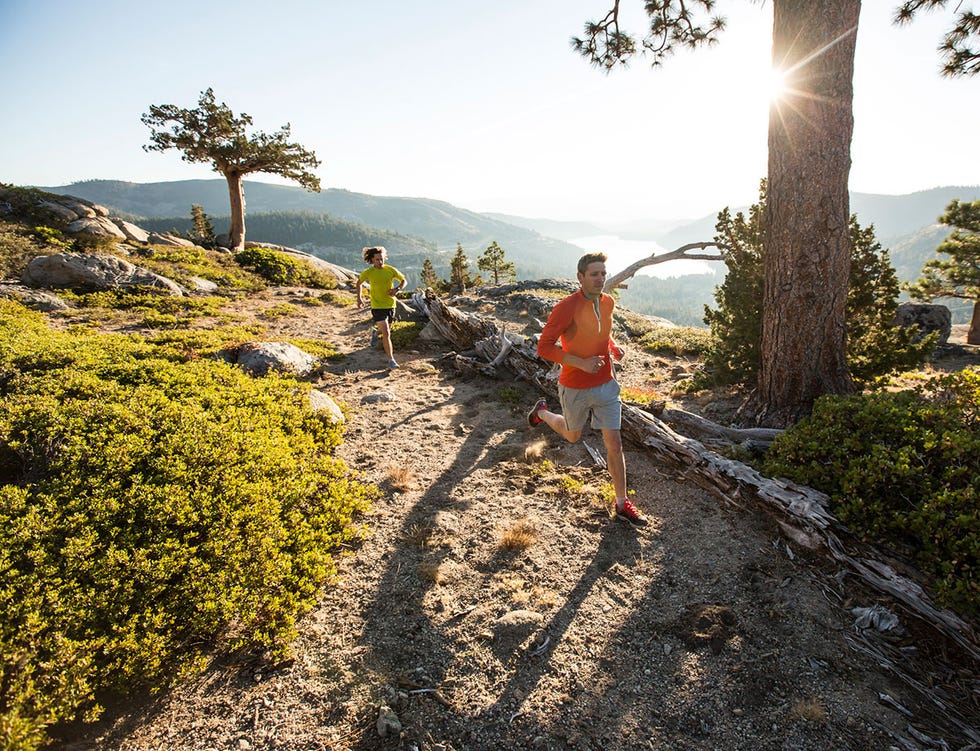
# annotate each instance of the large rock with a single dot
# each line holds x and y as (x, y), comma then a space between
(98, 226)
(927, 317)
(33, 298)
(132, 232)
(92, 271)
(259, 358)
(156, 238)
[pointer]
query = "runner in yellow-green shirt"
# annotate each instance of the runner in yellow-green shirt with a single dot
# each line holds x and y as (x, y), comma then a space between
(380, 278)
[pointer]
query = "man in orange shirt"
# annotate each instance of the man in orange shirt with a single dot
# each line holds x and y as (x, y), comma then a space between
(587, 384)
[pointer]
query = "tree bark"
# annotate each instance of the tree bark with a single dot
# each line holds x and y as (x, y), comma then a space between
(807, 249)
(236, 195)
(973, 335)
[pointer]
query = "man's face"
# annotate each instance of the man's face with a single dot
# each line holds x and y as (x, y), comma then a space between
(593, 279)
(378, 259)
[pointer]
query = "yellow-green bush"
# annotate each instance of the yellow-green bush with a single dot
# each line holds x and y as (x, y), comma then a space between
(405, 333)
(676, 340)
(902, 469)
(283, 269)
(181, 264)
(152, 509)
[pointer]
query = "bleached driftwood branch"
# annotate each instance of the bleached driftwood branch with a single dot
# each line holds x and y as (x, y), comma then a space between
(616, 280)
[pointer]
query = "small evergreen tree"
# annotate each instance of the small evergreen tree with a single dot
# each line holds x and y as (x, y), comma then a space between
(960, 275)
(492, 261)
(429, 278)
(202, 233)
(460, 278)
(875, 346)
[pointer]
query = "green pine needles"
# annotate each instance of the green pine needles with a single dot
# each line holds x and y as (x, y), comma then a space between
(154, 507)
(875, 345)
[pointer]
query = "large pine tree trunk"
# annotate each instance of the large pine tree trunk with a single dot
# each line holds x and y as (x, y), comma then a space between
(236, 195)
(807, 250)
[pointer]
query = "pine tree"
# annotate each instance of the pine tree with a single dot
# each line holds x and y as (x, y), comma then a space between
(960, 275)
(202, 233)
(213, 133)
(875, 346)
(429, 278)
(460, 278)
(492, 260)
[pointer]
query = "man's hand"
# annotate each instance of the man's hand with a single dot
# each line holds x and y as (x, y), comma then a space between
(617, 352)
(588, 364)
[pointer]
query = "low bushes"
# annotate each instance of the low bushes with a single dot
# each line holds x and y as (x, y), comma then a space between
(901, 469)
(282, 269)
(153, 508)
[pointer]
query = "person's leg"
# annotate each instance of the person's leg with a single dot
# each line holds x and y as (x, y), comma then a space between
(616, 462)
(384, 331)
(557, 423)
(574, 412)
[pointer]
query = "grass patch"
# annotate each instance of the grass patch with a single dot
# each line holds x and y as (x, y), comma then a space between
(678, 341)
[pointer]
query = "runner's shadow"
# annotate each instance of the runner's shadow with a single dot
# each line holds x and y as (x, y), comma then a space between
(619, 543)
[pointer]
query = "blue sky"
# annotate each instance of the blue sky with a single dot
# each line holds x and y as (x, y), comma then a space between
(478, 103)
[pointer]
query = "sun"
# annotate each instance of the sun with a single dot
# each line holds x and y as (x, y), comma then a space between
(777, 84)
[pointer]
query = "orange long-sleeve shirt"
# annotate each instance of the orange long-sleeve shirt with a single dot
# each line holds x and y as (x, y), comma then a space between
(584, 327)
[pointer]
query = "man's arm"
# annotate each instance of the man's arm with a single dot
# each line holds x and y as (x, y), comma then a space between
(401, 282)
(548, 348)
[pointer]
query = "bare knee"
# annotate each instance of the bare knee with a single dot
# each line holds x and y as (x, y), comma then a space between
(573, 436)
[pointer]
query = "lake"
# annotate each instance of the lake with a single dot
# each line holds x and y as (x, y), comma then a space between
(621, 253)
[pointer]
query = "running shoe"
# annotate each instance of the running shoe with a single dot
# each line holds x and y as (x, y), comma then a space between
(629, 513)
(532, 416)
(392, 364)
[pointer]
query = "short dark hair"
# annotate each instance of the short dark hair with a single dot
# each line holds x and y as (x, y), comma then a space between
(584, 261)
(371, 252)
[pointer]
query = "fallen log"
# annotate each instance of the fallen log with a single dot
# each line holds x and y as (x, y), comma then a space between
(802, 512)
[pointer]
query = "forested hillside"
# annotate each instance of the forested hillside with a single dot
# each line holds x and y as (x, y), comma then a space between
(433, 223)
(336, 224)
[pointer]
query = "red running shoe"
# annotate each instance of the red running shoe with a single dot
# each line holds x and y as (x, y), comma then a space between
(629, 513)
(532, 416)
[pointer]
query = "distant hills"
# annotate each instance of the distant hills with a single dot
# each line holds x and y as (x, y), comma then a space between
(335, 224)
(437, 226)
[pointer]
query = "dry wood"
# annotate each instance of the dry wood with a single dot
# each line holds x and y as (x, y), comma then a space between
(801, 511)
(616, 280)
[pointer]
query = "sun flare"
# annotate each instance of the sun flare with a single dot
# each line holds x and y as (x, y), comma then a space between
(777, 84)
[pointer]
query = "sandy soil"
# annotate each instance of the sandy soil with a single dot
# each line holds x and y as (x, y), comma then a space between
(497, 605)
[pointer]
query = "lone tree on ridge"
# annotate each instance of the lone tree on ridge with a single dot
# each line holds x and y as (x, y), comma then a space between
(212, 133)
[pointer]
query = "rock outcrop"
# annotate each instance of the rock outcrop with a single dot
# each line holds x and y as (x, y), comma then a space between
(927, 317)
(92, 271)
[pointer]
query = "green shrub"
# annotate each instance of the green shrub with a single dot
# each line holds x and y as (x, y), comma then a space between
(405, 333)
(676, 340)
(153, 508)
(282, 310)
(903, 469)
(156, 310)
(181, 264)
(282, 269)
(17, 247)
(339, 298)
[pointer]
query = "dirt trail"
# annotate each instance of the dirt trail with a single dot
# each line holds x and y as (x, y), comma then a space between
(704, 630)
